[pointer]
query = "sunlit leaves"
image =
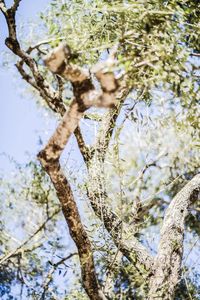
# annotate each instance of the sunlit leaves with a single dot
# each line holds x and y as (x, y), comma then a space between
(155, 38)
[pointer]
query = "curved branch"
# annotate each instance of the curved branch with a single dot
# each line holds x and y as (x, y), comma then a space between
(49, 158)
(123, 238)
(112, 93)
(35, 79)
(50, 155)
(106, 97)
(168, 261)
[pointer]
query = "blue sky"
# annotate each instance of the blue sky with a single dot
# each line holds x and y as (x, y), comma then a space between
(20, 120)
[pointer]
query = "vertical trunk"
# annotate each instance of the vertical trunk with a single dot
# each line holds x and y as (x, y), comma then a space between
(168, 261)
(49, 158)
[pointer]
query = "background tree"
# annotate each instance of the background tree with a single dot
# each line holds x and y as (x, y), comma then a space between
(139, 183)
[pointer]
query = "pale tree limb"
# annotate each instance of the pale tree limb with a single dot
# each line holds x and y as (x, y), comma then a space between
(104, 97)
(120, 232)
(85, 97)
(122, 236)
(112, 93)
(195, 54)
(168, 260)
(63, 189)
(57, 62)
(109, 121)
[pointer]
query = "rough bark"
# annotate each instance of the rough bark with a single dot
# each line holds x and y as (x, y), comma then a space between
(49, 158)
(85, 96)
(167, 264)
(120, 232)
(111, 94)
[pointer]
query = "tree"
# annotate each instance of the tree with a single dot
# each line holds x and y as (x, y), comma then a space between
(138, 61)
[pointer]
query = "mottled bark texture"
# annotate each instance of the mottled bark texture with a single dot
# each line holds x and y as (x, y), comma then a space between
(120, 232)
(167, 264)
(165, 268)
(111, 94)
(84, 97)
(58, 62)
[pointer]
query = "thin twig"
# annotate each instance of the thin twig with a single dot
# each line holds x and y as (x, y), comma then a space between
(41, 227)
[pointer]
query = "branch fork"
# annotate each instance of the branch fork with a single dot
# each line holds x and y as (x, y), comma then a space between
(110, 95)
(58, 62)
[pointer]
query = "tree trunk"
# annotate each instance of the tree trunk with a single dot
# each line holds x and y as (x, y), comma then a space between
(167, 264)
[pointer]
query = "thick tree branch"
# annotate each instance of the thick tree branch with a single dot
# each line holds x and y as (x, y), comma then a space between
(36, 80)
(105, 97)
(123, 238)
(49, 158)
(86, 96)
(58, 62)
(168, 261)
